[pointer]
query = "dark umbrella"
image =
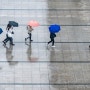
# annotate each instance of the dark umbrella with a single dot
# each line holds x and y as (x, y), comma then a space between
(13, 23)
(1, 30)
(54, 28)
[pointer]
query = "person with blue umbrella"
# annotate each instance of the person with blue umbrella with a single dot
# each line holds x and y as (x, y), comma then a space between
(53, 29)
(52, 36)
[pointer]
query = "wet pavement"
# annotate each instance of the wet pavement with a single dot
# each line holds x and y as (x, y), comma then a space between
(34, 66)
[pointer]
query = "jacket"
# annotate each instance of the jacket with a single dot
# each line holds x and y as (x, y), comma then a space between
(52, 35)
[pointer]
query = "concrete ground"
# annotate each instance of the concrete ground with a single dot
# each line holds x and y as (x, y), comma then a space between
(38, 67)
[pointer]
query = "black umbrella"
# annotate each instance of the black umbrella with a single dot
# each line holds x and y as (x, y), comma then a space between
(13, 23)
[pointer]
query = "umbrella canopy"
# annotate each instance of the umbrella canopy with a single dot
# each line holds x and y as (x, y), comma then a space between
(13, 23)
(33, 23)
(1, 30)
(54, 28)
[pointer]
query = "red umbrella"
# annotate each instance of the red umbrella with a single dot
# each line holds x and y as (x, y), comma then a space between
(33, 23)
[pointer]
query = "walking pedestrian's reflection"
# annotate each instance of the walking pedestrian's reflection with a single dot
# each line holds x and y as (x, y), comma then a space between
(29, 53)
(53, 69)
(9, 55)
(52, 55)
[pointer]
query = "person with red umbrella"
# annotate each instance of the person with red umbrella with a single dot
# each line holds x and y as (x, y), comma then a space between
(30, 26)
(30, 29)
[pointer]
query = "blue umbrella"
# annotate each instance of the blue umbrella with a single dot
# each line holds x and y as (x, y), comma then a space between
(54, 28)
(1, 30)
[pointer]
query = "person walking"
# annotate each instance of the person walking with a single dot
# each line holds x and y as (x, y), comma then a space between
(52, 36)
(30, 29)
(9, 35)
(7, 28)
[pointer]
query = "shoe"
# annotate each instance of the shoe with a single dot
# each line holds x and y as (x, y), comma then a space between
(13, 44)
(4, 43)
(31, 40)
(53, 46)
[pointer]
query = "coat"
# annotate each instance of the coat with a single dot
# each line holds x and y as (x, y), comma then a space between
(52, 35)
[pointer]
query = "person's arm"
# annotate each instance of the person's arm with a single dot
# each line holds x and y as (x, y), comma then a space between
(54, 35)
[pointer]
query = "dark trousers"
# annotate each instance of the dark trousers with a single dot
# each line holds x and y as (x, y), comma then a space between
(8, 39)
(52, 40)
(29, 36)
(11, 40)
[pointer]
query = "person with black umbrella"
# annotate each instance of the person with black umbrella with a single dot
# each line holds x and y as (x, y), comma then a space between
(9, 35)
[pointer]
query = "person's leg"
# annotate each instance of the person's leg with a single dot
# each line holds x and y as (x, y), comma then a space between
(53, 42)
(6, 40)
(50, 41)
(26, 38)
(30, 35)
(11, 41)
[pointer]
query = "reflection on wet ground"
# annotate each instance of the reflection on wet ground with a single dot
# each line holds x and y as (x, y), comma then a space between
(36, 66)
